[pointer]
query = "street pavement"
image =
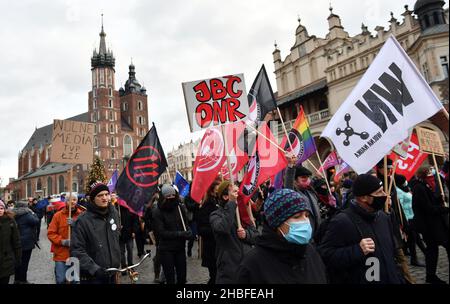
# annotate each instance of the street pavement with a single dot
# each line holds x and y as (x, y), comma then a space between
(42, 266)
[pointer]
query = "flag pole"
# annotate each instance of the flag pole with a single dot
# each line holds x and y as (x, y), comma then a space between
(230, 172)
(70, 194)
(323, 172)
(284, 128)
(385, 173)
(439, 179)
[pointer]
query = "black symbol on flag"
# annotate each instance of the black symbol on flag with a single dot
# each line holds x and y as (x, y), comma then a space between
(349, 131)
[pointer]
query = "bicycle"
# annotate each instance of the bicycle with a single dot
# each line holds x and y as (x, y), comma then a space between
(134, 275)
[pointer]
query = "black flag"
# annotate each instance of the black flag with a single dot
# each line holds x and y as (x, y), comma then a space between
(261, 101)
(139, 180)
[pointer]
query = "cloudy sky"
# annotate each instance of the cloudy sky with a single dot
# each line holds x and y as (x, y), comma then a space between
(46, 48)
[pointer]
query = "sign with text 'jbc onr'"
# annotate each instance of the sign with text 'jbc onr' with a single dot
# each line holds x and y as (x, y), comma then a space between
(429, 141)
(216, 101)
(72, 142)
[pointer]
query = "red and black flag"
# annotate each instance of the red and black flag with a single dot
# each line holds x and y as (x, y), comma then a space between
(261, 101)
(139, 181)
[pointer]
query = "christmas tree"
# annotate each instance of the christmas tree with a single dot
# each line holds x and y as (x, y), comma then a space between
(96, 174)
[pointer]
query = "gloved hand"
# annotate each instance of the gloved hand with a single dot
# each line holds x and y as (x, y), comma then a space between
(65, 243)
(69, 221)
(101, 274)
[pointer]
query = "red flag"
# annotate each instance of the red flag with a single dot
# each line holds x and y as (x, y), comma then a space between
(408, 166)
(238, 157)
(267, 162)
(208, 162)
(330, 161)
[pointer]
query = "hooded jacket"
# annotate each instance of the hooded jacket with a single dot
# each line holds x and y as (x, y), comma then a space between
(27, 221)
(230, 250)
(95, 240)
(168, 227)
(58, 230)
(276, 261)
(10, 247)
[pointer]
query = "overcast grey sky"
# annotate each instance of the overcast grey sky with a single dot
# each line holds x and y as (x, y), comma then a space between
(46, 48)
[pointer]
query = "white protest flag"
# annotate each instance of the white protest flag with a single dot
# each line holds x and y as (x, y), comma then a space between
(390, 98)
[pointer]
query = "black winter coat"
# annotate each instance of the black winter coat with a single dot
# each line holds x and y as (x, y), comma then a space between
(168, 227)
(276, 261)
(230, 250)
(129, 222)
(344, 258)
(10, 247)
(201, 217)
(429, 214)
(27, 221)
(95, 240)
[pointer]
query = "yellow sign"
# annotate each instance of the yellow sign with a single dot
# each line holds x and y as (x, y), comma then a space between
(72, 142)
(429, 141)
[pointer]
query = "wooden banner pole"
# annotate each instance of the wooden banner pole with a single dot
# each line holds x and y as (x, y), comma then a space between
(439, 179)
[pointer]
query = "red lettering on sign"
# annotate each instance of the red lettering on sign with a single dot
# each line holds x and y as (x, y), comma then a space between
(204, 114)
(231, 80)
(233, 105)
(202, 92)
(217, 89)
(220, 111)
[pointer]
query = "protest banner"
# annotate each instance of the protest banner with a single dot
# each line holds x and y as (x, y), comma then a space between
(216, 101)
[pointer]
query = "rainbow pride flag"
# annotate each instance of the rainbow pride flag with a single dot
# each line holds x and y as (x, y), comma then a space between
(300, 136)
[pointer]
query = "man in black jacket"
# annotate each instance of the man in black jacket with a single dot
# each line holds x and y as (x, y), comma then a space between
(95, 238)
(169, 226)
(358, 246)
(431, 219)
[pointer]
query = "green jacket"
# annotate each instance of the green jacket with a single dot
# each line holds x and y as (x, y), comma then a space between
(10, 248)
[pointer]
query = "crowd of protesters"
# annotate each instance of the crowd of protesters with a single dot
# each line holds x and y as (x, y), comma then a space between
(311, 231)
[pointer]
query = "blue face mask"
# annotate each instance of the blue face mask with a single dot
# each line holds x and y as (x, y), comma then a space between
(299, 232)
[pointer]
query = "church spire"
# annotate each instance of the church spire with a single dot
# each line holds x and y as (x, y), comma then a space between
(104, 57)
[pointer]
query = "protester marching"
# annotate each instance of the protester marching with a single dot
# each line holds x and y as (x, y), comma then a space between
(256, 210)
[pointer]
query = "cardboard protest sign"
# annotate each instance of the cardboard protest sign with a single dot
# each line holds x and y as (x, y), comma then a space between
(72, 142)
(429, 141)
(390, 98)
(216, 101)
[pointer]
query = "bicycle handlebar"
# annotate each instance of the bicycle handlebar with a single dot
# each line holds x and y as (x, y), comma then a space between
(129, 267)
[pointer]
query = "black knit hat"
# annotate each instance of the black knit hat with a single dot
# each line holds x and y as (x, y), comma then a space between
(302, 171)
(366, 184)
(381, 163)
(96, 188)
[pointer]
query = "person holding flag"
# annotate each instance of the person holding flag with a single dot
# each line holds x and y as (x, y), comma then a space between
(169, 226)
(58, 234)
(359, 235)
(232, 241)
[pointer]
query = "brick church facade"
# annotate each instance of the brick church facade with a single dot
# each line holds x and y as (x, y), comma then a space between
(121, 122)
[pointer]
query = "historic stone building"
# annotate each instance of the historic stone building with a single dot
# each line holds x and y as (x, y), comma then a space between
(182, 160)
(121, 122)
(319, 73)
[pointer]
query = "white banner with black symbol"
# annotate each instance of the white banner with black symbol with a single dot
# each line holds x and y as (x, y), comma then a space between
(391, 97)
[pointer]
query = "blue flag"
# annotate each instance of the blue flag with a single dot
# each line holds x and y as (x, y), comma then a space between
(113, 181)
(182, 185)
